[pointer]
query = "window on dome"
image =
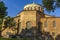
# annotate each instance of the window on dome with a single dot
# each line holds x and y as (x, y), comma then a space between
(29, 8)
(35, 8)
(32, 8)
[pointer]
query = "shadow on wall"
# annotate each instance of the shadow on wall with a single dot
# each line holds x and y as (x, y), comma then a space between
(39, 27)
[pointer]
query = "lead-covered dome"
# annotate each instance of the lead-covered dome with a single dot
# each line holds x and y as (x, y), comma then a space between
(33, 6)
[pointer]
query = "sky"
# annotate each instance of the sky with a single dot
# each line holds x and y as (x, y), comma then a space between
(15, 6)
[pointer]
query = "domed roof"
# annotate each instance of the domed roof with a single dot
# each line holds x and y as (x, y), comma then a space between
(32, 5)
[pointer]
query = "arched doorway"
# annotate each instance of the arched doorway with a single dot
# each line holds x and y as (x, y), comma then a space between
(28, 24)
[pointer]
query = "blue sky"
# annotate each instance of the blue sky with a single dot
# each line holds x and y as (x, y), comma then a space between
(15, 6)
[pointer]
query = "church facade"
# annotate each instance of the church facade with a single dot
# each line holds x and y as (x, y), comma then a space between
(33, 16)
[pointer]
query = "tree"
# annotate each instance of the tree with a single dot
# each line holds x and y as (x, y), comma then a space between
(3, 13)
(9, 22)
(51, 5)
(3, 9)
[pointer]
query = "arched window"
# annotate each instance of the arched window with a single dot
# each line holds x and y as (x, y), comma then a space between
(45, 23)
(32, 8)
(35, 7)
(54, 24)
(28, 24)
(27, 8)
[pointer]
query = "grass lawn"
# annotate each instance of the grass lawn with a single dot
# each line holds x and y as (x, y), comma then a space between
(14, 39)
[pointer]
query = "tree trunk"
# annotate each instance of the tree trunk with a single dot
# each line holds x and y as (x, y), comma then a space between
(0, 33)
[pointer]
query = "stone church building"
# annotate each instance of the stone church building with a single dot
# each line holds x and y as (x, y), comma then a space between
(33, 15)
